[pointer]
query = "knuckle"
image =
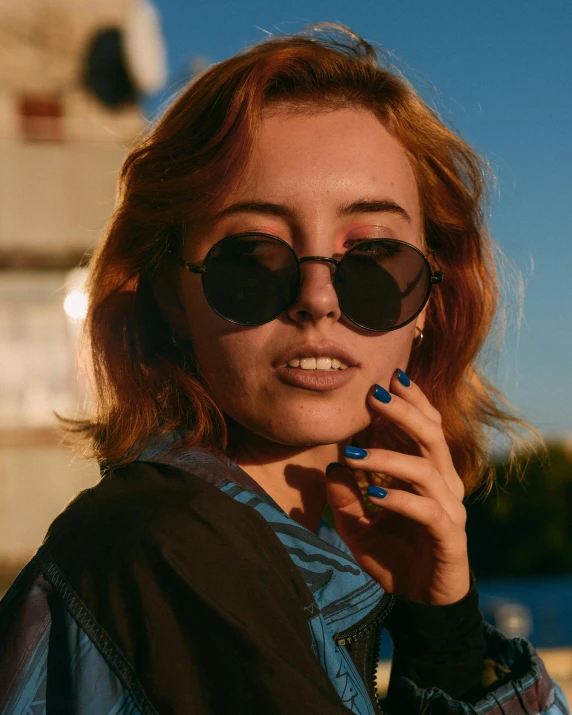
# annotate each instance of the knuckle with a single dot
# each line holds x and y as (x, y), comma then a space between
(427, 471)
(432, 473)
(429, 409)
(461, 539)
(459, 490)
(436, 416)
(461, 516)
(436, 512)
(432, 433)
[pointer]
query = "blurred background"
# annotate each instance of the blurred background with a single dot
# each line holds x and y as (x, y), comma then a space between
(81, 80)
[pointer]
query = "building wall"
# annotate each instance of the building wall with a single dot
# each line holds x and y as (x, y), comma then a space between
(60, 153)
(37, 480)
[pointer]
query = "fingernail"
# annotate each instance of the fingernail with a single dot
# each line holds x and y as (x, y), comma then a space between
(355, 452)
(377, 492)
(332, 465)
(403, 379)
(381, 394)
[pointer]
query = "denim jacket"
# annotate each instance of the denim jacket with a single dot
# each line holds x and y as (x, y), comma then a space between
(130, 606)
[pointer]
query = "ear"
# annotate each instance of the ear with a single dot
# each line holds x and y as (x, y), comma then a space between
(166, 292)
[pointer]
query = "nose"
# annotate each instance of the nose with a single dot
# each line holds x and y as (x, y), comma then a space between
(317, 298)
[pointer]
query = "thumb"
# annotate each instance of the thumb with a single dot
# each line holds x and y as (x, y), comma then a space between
(344, 497)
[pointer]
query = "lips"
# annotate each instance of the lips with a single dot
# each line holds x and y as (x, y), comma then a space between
(316, 380)
(308, 350)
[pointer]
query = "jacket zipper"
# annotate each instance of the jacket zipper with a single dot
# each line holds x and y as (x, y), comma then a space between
(374, 659)
(372, 621)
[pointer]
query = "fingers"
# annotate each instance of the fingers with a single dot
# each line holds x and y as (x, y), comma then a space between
(428, 512)
(345, 498)
(420, 472)
(406, 405)
(402, 385)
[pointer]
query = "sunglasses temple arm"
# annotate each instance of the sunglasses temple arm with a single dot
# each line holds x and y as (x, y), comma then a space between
(191, 267)
(437, 276)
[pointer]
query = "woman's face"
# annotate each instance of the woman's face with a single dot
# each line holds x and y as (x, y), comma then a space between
(316, 180)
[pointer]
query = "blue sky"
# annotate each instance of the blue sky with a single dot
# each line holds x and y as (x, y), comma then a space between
(502, 76)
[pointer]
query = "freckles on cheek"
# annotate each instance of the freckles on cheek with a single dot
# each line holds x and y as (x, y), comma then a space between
(222, 378)
(392, 352)
(231, 380)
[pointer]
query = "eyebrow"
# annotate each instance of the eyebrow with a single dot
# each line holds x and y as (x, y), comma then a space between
(268, 208)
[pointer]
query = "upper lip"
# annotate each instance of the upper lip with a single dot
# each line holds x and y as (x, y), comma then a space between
(331, 350)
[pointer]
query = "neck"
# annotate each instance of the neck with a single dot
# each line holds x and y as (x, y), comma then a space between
(293, 476)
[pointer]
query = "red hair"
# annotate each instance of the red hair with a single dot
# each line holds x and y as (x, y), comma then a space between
(145, 384)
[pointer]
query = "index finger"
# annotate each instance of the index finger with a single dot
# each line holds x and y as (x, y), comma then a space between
(409, 408)
(402, 385)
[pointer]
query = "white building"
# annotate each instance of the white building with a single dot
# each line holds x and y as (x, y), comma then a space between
(60, 151)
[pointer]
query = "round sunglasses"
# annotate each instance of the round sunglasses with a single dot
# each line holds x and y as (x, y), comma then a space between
(251, 278)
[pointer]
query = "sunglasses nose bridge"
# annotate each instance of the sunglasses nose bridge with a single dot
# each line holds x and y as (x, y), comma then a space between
(323, 259)
(316, 295)
(331, 263)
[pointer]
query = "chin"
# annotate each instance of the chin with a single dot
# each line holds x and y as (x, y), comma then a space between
(314, 435)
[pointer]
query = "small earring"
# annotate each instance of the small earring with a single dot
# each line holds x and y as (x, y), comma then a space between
(419, 337)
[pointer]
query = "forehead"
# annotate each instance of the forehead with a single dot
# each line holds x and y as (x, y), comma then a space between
(322, 157)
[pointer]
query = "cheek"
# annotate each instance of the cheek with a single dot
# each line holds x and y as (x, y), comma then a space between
(390, 351)
(229, 362)
(227, 356)
(228, 373)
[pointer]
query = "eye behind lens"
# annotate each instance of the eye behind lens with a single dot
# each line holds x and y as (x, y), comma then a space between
(251, 280)
(382, 285)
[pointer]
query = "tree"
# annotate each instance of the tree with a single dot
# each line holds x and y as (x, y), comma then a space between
(524, 528)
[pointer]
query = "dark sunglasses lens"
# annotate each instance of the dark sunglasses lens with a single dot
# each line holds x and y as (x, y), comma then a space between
(383, 284)
(250, 279)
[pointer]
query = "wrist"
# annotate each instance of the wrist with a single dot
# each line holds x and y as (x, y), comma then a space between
(419, 627)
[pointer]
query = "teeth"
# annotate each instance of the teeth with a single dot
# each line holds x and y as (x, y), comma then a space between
(308, 363)
(321, 363)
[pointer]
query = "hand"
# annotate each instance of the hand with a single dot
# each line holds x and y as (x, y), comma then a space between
(416, 545)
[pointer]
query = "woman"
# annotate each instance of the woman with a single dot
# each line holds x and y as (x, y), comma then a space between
(288, 304)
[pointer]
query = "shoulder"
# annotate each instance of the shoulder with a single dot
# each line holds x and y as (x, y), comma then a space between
(147, 497)
(148, 513)
(187, 594)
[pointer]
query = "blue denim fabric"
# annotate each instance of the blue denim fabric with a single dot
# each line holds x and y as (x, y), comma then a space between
(51, 629)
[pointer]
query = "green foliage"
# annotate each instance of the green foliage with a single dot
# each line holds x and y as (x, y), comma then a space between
(524, 528)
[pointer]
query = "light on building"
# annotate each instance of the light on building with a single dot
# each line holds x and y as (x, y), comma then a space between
(75, 305)
(75, 302)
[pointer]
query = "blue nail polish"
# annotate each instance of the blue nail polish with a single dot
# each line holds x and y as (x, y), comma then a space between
(403, 379)
(381, 394)
(355, 452)
(332, 465)
(377, 492)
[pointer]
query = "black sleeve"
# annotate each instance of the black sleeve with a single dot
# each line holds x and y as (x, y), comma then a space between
(196, 605)
(438, 646)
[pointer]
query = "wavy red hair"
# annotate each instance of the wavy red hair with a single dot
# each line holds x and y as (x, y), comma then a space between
(144, 382)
